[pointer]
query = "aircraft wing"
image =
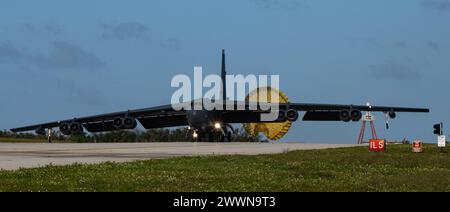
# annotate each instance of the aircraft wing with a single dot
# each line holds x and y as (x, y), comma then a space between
(154, 117)
(314, 112)
(331, 112)
(166, 116)
(332, 107)
(323, 107)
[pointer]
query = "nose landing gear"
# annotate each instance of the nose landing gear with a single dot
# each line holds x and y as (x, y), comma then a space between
(222, 135)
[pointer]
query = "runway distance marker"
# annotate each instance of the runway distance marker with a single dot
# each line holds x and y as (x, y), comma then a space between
(417, 146)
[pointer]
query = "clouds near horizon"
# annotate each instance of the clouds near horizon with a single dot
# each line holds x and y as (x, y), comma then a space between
(124, 31)
(62, 55)
(439, 5)
(394, 71)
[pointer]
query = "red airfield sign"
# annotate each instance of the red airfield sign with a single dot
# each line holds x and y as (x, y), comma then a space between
(377, 145)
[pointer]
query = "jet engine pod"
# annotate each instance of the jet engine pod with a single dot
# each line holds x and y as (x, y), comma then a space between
(129, 123)
(64, 129)
(40, 131)
(355, 115)
(392, 114)
(75, 128)
(118, 123)
(292, 115)
(344, 115)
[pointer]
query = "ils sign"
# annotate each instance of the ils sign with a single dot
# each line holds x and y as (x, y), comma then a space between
(377, 145)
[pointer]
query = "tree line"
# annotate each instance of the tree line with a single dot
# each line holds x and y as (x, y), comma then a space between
(151, 135)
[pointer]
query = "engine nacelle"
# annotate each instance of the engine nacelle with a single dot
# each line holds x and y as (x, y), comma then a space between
(75, 128)
(355, 115)
(64, 129)
(118, 123)
(129, 123)
(392, 114)
(344, 115)
(292, 115)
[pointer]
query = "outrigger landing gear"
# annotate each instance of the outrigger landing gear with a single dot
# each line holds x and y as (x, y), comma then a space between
(225, 136)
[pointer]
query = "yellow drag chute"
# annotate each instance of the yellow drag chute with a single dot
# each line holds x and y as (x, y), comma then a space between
(274, 130)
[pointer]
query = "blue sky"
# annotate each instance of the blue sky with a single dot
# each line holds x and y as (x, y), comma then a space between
(60, 59)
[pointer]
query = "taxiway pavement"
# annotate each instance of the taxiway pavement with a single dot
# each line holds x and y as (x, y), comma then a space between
(27, 155)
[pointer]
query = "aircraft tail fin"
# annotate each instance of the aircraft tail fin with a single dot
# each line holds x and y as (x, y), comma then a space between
(223, 76)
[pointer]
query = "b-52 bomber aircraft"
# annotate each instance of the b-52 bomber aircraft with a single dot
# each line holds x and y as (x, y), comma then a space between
(211, 125)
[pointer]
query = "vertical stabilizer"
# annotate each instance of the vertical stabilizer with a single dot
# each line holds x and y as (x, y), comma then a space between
(223, 76)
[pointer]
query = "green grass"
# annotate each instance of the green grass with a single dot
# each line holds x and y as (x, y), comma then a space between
(343, 169)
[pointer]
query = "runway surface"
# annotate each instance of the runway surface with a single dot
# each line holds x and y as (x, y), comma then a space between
(26, 155)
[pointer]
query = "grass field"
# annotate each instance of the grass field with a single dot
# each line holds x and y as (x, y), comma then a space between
(343, 169)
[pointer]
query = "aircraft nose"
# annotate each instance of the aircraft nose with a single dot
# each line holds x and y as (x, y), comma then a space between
(198, 119)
